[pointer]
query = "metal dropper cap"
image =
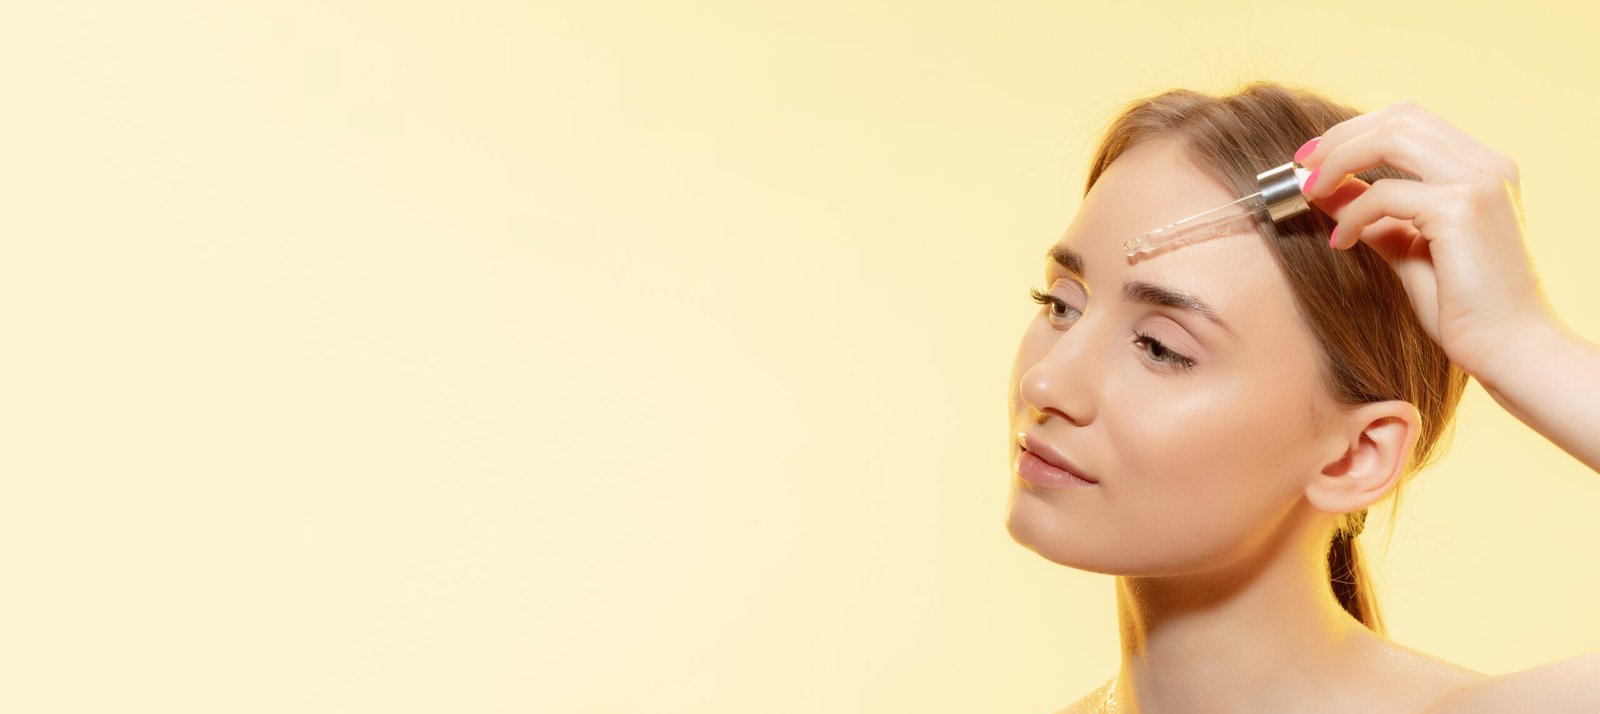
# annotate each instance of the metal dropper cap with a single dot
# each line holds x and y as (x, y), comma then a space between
(1280, 190)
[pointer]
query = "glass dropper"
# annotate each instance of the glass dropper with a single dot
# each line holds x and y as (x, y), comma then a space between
(1280, 197)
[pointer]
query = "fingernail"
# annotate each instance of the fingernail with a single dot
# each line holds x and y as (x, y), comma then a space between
(1306, 149)
(1310, 180)
(1333, 237)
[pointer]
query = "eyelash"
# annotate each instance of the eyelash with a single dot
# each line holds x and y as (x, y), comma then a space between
(1176, 360)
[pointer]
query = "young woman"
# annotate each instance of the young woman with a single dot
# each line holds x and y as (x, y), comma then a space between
(1211, 423)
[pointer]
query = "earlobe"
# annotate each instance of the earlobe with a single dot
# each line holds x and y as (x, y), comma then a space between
(1382, 435)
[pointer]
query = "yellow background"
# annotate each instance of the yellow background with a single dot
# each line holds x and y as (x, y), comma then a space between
(603, 357)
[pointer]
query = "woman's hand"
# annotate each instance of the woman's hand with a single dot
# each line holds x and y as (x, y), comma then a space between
(1455, 238)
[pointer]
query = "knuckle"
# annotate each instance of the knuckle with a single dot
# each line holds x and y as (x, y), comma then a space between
(1382, 190)
(1484, 185)
(1462, 193)
(1512, 171)
(1377, 192)
(1401, 124)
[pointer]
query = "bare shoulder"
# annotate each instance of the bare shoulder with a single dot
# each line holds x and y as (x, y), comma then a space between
(1567, 685)
(1090, 703)
(1400, 678)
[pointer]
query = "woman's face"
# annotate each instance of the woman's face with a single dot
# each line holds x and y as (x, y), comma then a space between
(1195, 464)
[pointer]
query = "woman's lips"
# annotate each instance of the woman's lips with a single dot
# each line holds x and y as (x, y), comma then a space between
(1052, 456)
(1039, 472)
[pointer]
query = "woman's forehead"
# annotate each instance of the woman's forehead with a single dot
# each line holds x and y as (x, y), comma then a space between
(1150, 186)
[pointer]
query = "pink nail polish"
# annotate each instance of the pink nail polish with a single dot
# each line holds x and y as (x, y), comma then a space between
(1333, 237)
(1306, 149)
(1310, 181)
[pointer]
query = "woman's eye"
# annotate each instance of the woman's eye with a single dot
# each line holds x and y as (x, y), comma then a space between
(1161, 353)
(1047, 299)
(1158, 352)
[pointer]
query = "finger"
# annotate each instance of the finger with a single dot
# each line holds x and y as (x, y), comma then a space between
(1402, 143)
(1408, 254)
(1413, 264)
(1465, 144)
(1341, 196)
(1342, 132)
(1402, 199)
(1397, 240)
(1389, 235)
(1392, 238)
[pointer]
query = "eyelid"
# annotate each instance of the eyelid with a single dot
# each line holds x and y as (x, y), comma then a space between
(1196, 339)
(1183, 341)
(1073, 282)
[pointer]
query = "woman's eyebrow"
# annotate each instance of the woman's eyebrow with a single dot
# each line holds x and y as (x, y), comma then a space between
(1141, 291)
(1068, 259)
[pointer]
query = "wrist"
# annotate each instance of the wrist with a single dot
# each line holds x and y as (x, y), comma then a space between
(1531, 349)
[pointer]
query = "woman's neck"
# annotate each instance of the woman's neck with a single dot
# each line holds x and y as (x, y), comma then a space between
(1263, 634)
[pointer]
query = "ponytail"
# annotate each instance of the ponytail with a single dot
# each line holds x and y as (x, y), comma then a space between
(1347, 573)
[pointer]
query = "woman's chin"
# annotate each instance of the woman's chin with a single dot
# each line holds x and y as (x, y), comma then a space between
(1052, 535)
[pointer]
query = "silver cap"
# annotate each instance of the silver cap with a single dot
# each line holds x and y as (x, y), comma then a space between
(1280, 190)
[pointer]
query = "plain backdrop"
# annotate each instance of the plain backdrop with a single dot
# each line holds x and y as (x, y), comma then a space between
(627, 357)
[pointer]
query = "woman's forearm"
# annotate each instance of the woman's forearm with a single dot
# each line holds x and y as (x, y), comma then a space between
(1552, 383)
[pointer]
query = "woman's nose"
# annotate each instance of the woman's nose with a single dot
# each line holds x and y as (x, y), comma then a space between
(1068, 378)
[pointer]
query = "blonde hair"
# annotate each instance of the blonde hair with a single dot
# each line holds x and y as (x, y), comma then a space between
(1373, 346)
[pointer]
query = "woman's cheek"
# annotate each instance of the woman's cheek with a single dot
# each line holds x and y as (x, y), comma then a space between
(1180, 434)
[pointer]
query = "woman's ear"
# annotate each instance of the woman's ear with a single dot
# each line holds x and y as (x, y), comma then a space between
(1377, 439)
